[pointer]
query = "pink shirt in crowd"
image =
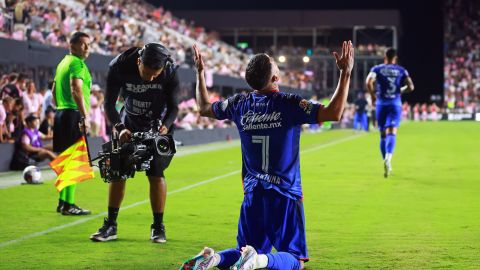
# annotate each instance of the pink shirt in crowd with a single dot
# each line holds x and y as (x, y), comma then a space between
(32, 104)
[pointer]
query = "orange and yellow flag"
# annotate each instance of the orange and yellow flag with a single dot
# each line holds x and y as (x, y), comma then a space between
(72, 166)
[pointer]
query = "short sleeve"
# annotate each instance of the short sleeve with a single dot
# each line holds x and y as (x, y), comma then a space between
(304, 111)
(3, 114)
(372, 74)
(25, 139)
(223, 109)
(76, 69)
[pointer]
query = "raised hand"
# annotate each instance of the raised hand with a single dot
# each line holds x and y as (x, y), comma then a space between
(197, 57)
(346, 60)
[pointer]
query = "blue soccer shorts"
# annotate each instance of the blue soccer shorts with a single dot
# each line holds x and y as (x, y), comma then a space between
(388, 115)
(269, 219)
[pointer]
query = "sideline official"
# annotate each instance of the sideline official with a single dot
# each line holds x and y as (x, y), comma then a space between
(71, 92)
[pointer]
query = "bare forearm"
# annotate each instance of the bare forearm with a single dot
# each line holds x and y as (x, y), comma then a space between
(408, 87)
(54, 95)
(370, 90)
(336, 106)
(78, 97)
(30, 149)
(202, 98)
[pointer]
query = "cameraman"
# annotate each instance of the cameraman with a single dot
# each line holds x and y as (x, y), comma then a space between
(147, 80)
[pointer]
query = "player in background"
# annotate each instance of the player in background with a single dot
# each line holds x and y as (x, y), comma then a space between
(269, 123)
(360, 120)
(386, 83)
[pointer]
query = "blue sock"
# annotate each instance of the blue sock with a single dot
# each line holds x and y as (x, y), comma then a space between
(228, 258)
(282, 261)
(383, 146)
(390, 142)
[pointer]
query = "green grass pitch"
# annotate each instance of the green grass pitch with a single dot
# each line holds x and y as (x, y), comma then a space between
(425, 216)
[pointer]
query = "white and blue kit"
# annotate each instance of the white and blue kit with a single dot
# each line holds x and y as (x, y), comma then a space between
(389, 78)
(269, 126)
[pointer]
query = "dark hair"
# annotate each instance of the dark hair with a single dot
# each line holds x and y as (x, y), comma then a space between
(75, 38)
(49, 109)
(31, 117)
(390, 53)
(12, 77)
(259, 71)
(155, 55)
(22, 76)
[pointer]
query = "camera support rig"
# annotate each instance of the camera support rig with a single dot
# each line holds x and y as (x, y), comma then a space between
(118, 162)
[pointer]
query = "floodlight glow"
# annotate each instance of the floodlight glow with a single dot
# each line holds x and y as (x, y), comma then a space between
(306, 59)
(282, 59)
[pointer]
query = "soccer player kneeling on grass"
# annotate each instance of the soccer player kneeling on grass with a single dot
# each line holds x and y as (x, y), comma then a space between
(269, 123)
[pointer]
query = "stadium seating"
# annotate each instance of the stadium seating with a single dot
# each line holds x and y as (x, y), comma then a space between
(462, 55)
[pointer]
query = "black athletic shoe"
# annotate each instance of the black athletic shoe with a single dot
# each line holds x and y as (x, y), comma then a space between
(158, 234)
(74, 210)
(107, 232)
(59, 207)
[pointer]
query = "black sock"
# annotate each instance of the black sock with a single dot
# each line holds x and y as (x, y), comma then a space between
(112, 214)
(157, 219)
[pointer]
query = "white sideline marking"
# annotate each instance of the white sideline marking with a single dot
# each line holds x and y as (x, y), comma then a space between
(213, 179)
(86, 219)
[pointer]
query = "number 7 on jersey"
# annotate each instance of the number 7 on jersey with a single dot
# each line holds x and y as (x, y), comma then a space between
(265, 141)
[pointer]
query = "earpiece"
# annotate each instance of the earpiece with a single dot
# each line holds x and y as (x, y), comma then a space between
(161, 51)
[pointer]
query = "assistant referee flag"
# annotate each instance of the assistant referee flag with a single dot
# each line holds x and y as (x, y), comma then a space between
(72, 166)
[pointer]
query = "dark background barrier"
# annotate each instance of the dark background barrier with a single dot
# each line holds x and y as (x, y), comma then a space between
(190, 137)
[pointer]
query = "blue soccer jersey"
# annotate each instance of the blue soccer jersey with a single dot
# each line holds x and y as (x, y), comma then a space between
(269, 127)
(389, 80)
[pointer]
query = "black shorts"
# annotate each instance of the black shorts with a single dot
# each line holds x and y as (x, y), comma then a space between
(158, 165)
(66, 129)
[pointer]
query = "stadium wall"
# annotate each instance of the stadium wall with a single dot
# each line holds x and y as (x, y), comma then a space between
(192, 137)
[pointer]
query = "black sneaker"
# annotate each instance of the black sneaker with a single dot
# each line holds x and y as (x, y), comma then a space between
(74, 210)
(107, 232)
(60, 207)
(158, 234)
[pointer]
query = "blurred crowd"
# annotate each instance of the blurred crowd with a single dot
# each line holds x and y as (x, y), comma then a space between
(116, 25)
(298, 58)
(361, 49)
(189, 117)
(20, 98)
(462, 55)
(417, 112)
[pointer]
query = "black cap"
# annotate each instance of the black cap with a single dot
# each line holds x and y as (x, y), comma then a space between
(154, 55)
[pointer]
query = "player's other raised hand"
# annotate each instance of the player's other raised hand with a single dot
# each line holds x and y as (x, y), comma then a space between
(346, 60)
(197, 57)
